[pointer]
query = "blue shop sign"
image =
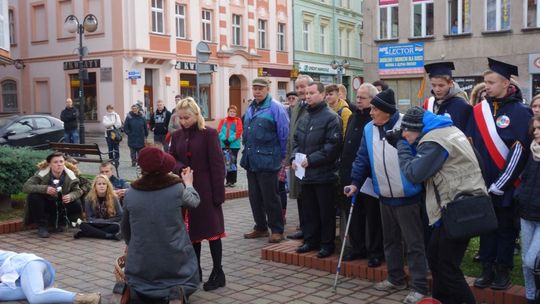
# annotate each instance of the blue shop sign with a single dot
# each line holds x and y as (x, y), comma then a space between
(403, 58)
(134, 75)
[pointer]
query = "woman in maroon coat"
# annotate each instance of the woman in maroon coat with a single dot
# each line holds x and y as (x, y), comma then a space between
(198, 147)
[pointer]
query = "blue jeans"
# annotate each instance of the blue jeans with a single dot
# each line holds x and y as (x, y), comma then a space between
(71, 136)
(530, 246)
(30, 287)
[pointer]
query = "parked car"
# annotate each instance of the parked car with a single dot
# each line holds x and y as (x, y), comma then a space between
(34, 131)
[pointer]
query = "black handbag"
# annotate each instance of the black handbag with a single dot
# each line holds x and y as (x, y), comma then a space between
(467, 216)
(115, 134)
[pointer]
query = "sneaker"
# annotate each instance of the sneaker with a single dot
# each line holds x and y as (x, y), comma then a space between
(87, 298)
(388, 286)
(256, 234)
(413, 297)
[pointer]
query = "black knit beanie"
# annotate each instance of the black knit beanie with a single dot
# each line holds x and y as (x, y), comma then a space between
(385, 101)
(413, 119)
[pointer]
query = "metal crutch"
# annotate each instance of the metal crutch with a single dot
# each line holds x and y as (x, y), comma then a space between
(338, 270)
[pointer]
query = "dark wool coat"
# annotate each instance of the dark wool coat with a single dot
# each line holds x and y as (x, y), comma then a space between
(200, 150)
(136, 130)
(159, 254)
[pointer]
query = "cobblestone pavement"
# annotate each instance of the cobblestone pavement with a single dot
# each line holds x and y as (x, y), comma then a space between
(87, 265)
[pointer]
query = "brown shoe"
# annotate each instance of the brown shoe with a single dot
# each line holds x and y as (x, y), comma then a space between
(276, 238)
(256, 234)
(87, 298)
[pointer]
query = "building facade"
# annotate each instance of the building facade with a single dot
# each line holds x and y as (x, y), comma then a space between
(403, 35)
(145, 51)
(328, 30)
(6, 85)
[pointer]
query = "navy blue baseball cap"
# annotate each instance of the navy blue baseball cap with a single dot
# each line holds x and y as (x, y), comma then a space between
(440, 69)
(502, 68)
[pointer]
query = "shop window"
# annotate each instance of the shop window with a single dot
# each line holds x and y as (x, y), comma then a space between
(459, 16)
(535, 84)
(388, 20)
(282, 91)
(497, 15)
(422, 18)
(90, 95)
(9, 96)
(188, 88)
(532, 13)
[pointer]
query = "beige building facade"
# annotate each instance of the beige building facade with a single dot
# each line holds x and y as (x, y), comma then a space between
(403, 35)
(144, 51)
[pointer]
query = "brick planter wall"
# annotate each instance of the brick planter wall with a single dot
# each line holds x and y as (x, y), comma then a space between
(285, 252)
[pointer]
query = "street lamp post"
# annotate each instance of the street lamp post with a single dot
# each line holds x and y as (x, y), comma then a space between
(340, 66)
(72, 25)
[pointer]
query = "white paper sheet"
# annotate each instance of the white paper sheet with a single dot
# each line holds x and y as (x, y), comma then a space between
(300, 171)
(367, 188)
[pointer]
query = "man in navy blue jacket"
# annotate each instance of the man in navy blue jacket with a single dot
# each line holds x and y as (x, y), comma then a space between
(499, 130)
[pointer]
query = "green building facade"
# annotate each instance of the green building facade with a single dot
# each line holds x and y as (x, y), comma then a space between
(326, 32)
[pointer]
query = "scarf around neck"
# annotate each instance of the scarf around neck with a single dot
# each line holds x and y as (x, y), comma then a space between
(535, 149)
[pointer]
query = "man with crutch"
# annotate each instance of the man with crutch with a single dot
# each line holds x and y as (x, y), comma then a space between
(400, 200)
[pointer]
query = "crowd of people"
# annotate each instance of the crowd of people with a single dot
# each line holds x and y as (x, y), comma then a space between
(403, 169)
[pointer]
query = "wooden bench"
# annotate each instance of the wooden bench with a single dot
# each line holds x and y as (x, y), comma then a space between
(81, 151)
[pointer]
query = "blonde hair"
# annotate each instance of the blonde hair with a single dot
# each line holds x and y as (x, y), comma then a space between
(110, 197)
(189, 104)
(535, 98)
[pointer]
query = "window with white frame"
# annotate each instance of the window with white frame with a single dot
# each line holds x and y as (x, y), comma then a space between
(388, 21)
(180, 19)
(532, 13)
(348, 44)
(206, 25)
(236, 29)
(422, 20)
(4, 26)
(459, 16)
(497, 15)
(340, 42)
(157, 16)
(281, 37)
(306, 35)
(324, 38)
(11, 20)
(262, 33)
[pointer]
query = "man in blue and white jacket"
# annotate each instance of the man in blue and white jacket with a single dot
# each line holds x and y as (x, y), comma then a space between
(400, 199)
(266, 127)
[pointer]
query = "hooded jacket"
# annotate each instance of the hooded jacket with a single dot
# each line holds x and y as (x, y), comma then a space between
(342, 109)
(159, 122)
(136, 130)
(454, 106)
(444, 160)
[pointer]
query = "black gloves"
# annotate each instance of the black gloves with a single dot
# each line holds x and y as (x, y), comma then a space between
(393, 136)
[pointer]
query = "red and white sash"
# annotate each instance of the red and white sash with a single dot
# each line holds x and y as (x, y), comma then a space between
(497, 149)
(428, 104)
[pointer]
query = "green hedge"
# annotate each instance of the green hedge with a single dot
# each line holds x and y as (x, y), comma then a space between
(16, 166)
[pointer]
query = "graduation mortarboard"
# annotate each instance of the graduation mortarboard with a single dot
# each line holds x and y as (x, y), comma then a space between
(439, 68)
(502, 68)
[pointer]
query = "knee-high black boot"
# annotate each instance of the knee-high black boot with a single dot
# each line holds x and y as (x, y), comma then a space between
(217, 277)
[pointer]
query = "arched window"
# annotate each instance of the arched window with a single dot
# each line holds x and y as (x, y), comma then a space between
(9, 96)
